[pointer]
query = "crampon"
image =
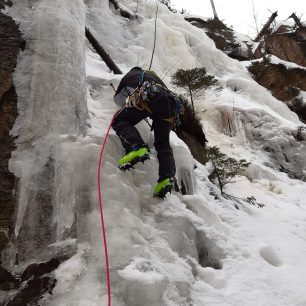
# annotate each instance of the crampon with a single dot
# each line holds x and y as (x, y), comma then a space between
(163, 187)
(130, 165)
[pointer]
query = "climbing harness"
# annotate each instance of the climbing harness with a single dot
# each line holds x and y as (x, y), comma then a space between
(141, 95)
(145, 91)
(101, 212)
(134, 99)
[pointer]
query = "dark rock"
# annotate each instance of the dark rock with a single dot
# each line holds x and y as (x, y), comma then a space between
(10, 44)
(223, 37)
(216, 30)
(196, 147)
(286, 43)
(191, 132)
(35, 281)
(210, 255)
(299, 107)
(7, 280)
(33, 291)
(284, 84)
(5, 2)
(287, 48)
(36, 270)
(301, 134)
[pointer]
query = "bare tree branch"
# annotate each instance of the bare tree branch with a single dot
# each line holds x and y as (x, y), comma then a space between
(266, 26)
(296, 20)
(255, 17)
(214, 9)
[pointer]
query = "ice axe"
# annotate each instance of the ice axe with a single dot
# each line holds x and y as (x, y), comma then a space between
(113, 87)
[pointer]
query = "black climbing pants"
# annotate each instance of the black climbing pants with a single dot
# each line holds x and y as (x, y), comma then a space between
(162, 107)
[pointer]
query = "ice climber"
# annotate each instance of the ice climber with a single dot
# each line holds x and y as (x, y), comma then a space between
(143, 94)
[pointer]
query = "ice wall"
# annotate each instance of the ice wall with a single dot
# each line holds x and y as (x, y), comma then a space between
(161, 252)
(184, 165)
(50, 76)
(51, 86)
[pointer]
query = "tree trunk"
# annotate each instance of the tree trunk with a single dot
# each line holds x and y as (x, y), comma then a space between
(191, 98)
(214, 9)
(220, 183)
(123, 12)
(296, 20)
(105, 57)
(266, 26)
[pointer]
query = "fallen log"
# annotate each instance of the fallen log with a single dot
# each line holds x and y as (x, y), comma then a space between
(296, 20)
(266, 26)
(100, 50)
(123, 10)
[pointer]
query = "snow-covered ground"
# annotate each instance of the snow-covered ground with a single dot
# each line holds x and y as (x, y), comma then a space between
(197, 249)
(276, 61)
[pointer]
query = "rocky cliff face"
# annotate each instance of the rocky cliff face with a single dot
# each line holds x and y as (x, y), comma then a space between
(29, 285)
(286, 47)
(286, 43)
(222, 35)
(10, 44)
(285, 84)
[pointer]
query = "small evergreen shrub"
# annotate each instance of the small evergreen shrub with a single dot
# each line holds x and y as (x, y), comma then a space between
(193, 81)
(224, 168)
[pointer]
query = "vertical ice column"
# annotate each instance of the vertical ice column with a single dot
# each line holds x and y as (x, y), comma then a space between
(55, 95)
(184, 165)
(102, 4)
(51, 85)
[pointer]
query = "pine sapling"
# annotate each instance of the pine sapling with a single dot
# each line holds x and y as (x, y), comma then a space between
(224, 168)
(193, 81)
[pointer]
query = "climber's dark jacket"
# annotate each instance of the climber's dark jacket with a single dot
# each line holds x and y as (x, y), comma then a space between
(161, 108)
(133, 77)
(131, 80)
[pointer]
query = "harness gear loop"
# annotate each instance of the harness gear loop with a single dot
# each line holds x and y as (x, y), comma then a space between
(135, 100)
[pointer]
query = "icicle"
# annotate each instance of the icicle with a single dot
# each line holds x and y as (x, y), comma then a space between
(184, 164)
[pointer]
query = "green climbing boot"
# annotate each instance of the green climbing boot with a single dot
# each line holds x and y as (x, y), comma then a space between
(133, 157)
(163, 187)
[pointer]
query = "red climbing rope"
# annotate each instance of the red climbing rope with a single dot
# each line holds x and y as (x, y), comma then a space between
(101, 213)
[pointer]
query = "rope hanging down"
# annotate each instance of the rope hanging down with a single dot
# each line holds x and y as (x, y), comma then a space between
(154, 36)
(101, 213)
